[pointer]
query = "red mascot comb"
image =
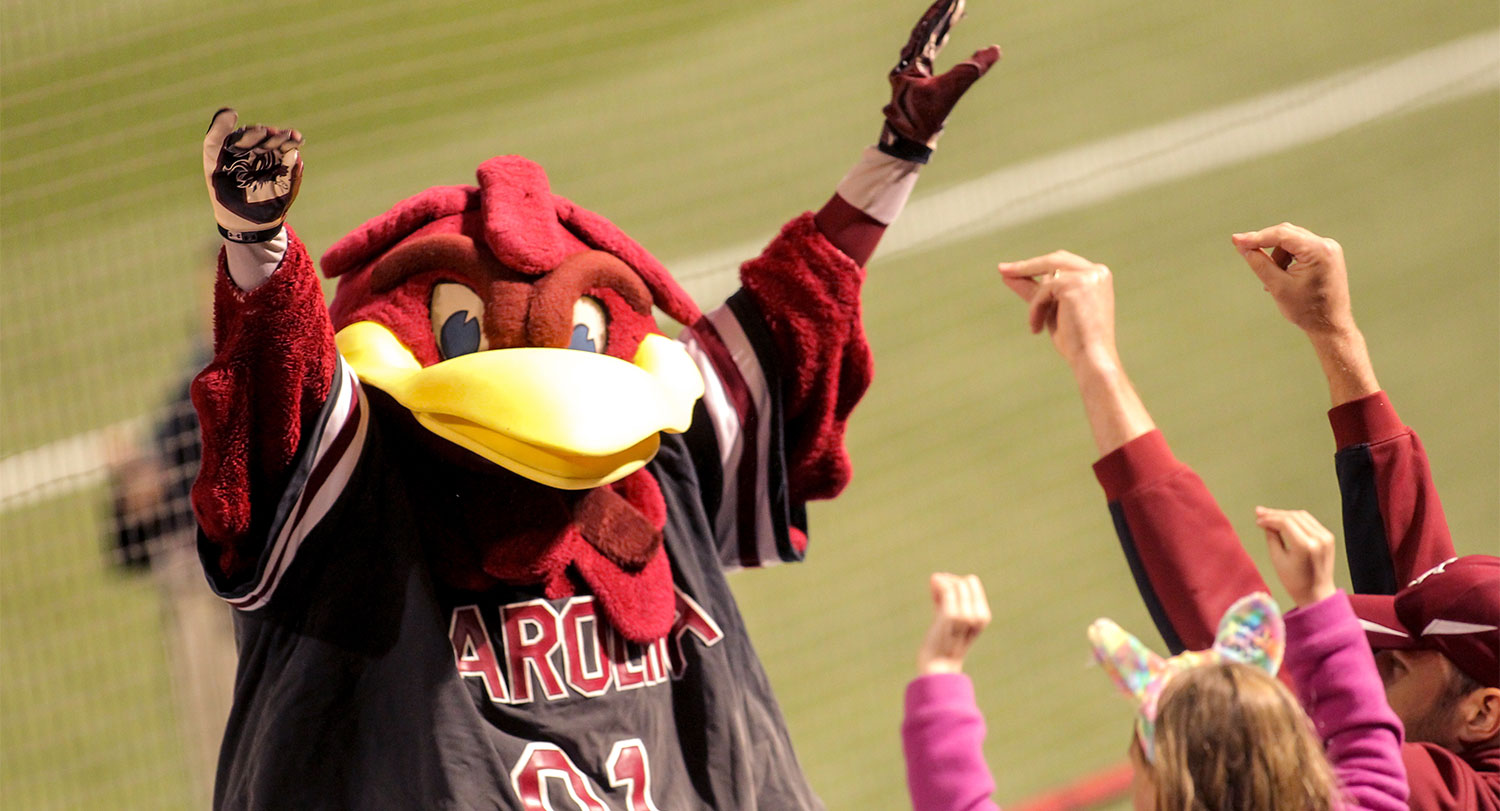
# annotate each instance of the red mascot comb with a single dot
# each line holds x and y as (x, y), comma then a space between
(526, 227)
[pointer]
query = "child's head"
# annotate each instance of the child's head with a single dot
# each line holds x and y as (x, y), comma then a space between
(1216, 730)
(1230, 736)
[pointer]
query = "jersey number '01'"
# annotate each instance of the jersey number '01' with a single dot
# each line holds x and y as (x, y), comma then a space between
(627, 767)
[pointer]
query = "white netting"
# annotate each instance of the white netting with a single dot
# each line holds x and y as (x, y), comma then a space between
(699, 128)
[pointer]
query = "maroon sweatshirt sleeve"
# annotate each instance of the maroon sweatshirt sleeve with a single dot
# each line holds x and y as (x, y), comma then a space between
(1394, 529)
(272, 370)
(1187, 562)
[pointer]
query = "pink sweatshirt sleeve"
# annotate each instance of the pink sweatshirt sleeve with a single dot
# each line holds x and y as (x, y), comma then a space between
(943, 737)
(1339, 687)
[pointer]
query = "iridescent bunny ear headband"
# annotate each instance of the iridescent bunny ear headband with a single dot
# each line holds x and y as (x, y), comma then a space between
(1250, 633)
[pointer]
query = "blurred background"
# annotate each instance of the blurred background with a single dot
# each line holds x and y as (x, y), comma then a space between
(1137, 134)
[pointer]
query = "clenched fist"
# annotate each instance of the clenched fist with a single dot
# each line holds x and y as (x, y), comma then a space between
(1302, 552)
(960, 612)
(253, 174)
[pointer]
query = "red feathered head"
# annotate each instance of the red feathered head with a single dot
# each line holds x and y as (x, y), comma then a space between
(514, 230)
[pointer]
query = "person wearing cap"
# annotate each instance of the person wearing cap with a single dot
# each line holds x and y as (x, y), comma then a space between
(1446, 617)
(1433, 619)
(1438, 639)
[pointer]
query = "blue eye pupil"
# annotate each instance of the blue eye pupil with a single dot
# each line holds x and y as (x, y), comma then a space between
(460, 335)
(581, 339)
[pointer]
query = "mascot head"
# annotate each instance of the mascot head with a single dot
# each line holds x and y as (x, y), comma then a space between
(518, 326)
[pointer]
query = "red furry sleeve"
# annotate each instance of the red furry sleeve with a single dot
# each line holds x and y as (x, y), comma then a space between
(272, 370)
(808, 293)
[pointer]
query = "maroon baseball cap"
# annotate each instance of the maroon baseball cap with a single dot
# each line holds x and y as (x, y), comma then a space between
(1454, 609)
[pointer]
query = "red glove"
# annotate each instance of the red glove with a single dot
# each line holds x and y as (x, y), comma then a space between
(920, 101)
(253, 174)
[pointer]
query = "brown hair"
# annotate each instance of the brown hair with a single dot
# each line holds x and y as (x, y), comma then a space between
(1230, 737)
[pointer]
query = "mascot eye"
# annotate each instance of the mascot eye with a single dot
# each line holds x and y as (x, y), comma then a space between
(455, 320)
(590, 326)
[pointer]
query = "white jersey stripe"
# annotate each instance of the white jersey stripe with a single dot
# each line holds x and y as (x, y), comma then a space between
(756, 521)
(727, 426)
(344, 434)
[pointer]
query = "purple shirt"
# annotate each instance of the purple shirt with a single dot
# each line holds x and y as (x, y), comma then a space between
(943, 732)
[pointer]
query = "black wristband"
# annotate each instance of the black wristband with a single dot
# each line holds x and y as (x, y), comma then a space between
(897, 146)
(249, 237)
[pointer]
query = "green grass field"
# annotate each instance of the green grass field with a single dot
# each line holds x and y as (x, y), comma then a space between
(697, 126)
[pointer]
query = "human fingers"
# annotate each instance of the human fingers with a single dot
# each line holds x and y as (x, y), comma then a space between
(1298, 532)
(946, 605)
(979, 602)
(941, 584)
(1301, 243)
(1318, 538)
(1262, 266)
(964, 589)
(1287, 558)
(1320, 544)
(1043, 309)
(1023, 286)
(1271, 517)
(1044, 265)
(1306, 564)
(970, 616)
(1277, 524)
(936, 652)
(1282, 257)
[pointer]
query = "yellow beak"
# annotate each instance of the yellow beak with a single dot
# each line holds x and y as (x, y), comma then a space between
(565, 418)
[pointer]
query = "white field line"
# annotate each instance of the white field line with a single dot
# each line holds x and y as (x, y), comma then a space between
(1065, 181)
(1193, 145)
(60, 467)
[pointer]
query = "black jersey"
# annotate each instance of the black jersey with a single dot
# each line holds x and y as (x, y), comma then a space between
(364, 683)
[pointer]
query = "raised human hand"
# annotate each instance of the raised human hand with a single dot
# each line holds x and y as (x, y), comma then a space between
(920, 101)
(960, 613)
(1304, 273)
(1302, 552)
(253, 174)
(1073, 299)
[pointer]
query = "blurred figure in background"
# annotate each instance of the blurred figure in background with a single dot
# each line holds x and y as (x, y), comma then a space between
(153, 532)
